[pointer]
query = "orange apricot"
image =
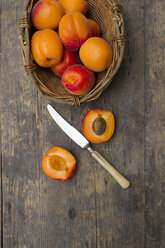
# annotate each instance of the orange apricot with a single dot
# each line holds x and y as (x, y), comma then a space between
(69, 58)
(78, 79)
(95, 27)
(98, 125)
(59, 164)
(72, 6)
(74, 30)
(96, 54)
(47, 14)
(46, 47)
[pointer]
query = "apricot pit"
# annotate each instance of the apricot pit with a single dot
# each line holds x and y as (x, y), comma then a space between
(99, 126)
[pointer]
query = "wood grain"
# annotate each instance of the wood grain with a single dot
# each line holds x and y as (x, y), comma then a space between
(90, 210)
(155, 122)
(120, 214)
(1, 195)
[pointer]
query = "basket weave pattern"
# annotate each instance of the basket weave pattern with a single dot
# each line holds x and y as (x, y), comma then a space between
(108, 14)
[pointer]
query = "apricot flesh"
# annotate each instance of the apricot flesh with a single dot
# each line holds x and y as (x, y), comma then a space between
(46, 47)
(59, 164)
(71, 6)
(105, 128)
(96, 54)
(47, 14)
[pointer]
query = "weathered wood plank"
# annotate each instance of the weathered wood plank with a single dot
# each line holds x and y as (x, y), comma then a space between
(35, 208)
(1, 196)
(20, 167)
(90, 210)
(38, 212)
(1, 209)
(83, 228)
(55, 197)
(155, 122)
(120, 214)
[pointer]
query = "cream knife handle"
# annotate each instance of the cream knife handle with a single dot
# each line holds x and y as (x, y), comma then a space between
(124, 183)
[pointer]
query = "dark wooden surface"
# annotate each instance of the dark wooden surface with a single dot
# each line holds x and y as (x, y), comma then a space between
(90, 210)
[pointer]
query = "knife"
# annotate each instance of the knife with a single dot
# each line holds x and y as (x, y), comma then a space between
(80, 140)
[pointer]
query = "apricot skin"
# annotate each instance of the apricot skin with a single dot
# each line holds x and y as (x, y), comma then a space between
(47, 14)
(46, 47)
(78, 79)
(88, 121)
(69, 58)
(74, 30)
(49, 168)
(72, 6)
(95, 28)
(96, 54)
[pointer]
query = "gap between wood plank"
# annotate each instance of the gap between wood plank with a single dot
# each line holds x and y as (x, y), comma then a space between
(1, 194)
(95, 206)
(145, 210)
(1, 150)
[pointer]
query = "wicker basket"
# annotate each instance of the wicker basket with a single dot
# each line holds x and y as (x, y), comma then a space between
(108, 14)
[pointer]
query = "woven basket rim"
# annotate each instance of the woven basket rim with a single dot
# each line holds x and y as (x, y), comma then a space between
(30, 67)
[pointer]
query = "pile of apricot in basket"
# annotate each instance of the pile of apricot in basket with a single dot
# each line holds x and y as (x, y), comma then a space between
(69, 43)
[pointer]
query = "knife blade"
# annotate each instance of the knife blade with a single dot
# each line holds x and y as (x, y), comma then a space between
(80, 140)
(72, 132)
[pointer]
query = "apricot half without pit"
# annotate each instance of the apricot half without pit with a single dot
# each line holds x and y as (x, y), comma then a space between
(98, 125)
(59, 164)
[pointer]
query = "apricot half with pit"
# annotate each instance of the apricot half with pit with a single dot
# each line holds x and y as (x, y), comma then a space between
(59, 164)
(98, 125)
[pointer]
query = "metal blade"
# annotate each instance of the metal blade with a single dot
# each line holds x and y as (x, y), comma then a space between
(72, 132)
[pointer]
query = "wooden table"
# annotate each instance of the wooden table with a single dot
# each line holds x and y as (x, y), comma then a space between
(90, 210)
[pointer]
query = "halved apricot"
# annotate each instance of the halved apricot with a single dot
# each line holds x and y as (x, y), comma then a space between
(59, 164)
(98, 125)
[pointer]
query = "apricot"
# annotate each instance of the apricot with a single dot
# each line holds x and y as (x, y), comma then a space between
(59, 164)
(95, 27)
(69, 58)
(46, 47)
(47, 14)
(98, 125)
(72, 6)
(78, 79)
(74, 30)
(96, 54)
